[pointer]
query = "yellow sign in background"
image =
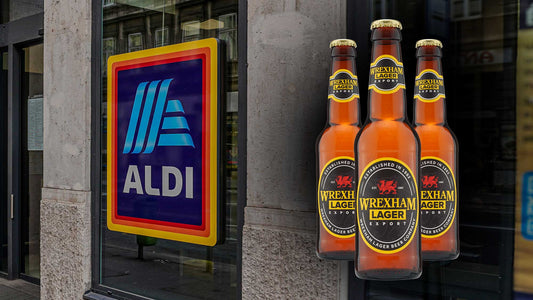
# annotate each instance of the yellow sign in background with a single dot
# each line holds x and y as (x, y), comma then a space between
(523, 258)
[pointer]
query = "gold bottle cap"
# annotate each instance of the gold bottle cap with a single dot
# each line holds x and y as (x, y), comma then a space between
(428, 42)
(386, 23)
(342, 42)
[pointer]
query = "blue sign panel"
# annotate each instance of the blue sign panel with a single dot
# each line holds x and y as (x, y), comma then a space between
(160, 138)
(163, 146)
(527, 205)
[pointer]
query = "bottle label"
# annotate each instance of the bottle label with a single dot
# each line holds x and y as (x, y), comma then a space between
(386, 75)
(387, 205)
(438, 194)
(343, 86)
(336, 197)
(429, 86)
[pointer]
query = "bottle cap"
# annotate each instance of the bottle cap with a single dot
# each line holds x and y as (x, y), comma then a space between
(386, 23)
(429, 42)
(342, 42)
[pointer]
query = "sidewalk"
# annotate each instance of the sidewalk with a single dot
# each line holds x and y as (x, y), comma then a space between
(18, 290)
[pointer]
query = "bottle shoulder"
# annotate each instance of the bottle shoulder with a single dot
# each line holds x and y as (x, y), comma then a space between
(387, 134)
(387, 128)
(428, 133)
(337, 134)
(339, 131)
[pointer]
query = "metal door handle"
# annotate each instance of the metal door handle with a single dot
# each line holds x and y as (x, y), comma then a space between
(12, 210)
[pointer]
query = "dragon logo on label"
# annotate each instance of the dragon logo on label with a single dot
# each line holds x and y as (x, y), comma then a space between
(438, 197)
(429, 181)
(387, 205)
(336, 197)
(386, 75)
(344, 181)
(386, 187)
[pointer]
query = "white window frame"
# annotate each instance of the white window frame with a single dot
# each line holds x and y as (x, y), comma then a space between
(130, 39)
(231, 48)
(190, 35)
(163, 34)
(106, 3)
(106, 52)
(465, 6)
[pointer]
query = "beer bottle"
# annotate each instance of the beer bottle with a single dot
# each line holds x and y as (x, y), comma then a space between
(335, 157)
(438, 165)
(387, 152)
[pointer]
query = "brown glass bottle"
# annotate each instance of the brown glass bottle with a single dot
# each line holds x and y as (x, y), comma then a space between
(387, 152)
(335, 157)
(438, 165)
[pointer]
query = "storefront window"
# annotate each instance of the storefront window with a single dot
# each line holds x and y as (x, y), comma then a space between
(140, 266)
(480, 67)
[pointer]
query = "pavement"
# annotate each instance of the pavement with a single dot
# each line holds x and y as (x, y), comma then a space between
(18, 290)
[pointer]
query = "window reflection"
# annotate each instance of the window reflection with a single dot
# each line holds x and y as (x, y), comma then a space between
(479, 71)
(191, 31)
(32, 161)
(161, 37)
(159, 268)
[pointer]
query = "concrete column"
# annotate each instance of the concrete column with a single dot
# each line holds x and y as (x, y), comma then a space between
(66, 203)
(288, 66)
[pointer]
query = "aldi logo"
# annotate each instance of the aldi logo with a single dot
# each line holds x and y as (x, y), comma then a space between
(164, 142)
(169, 123)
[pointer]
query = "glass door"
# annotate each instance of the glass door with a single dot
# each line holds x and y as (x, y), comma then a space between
(3, 158)
(32, 157)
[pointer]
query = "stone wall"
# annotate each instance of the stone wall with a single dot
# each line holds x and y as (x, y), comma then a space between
(288, 66)
(66, 203)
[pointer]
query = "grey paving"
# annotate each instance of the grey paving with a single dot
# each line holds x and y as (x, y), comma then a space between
(18, 290)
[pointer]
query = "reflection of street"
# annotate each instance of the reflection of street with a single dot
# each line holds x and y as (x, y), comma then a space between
(169, 268)
(18, 290)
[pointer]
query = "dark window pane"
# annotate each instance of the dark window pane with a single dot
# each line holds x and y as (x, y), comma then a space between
(3, 157)
(480, 44)
(32, 95)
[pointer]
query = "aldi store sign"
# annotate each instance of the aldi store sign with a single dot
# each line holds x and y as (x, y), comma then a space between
(163, 142)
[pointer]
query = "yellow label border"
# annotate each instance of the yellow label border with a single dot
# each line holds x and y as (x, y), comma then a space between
(417, 207)
(455, 201)
(436, 98)
(398, 87)
(355, 96)
(373, 64)
(318, 197)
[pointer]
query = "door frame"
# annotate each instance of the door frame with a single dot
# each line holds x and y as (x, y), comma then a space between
(14, 36)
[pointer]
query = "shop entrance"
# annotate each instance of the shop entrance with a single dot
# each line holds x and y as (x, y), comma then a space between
(21, 138)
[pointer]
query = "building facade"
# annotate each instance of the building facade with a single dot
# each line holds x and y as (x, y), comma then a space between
(54, 128)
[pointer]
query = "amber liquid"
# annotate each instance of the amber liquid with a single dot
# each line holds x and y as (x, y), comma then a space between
(387, 134)
(334, 141)
(436, 139)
